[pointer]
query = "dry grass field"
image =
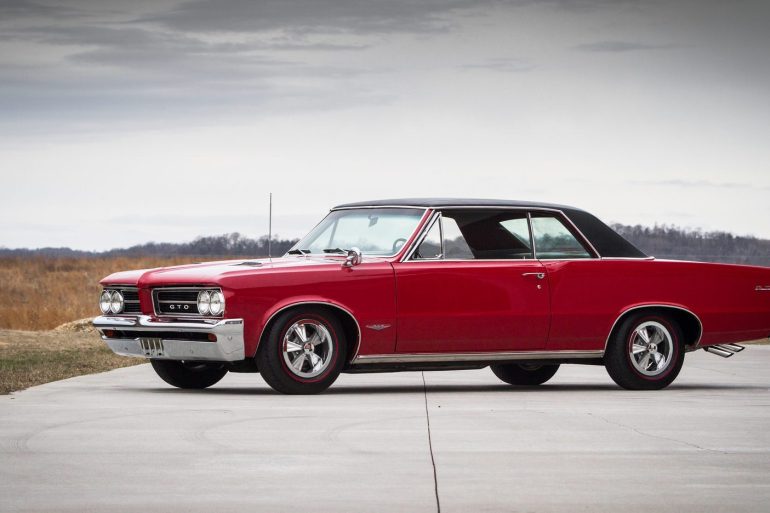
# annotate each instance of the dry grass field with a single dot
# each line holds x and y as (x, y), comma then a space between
(42, 294)
(29, 358)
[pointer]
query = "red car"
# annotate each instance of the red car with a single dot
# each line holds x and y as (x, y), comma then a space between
(436, 284)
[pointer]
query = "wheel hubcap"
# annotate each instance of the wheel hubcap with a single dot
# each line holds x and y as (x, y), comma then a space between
(307, 348)
(651, 348)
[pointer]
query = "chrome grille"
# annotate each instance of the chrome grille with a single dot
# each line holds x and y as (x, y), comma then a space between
(131, 300)
(178, 301)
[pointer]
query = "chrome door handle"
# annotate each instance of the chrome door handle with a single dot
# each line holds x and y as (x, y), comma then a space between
(539, 276)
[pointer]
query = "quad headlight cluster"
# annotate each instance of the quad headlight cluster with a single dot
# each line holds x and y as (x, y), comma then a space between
(111, 301)
(211, 302)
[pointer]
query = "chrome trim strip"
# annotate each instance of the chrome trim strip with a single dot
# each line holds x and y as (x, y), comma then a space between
(229, 346)
(322, 303)
(582, 236)
(628, 258)
(380, 206)
(694, 346)
(473, 357)
(762, 288)
(532, 245)
(435, 218)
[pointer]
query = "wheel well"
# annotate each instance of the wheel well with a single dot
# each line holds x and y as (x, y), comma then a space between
(687, 321)
(349, 324)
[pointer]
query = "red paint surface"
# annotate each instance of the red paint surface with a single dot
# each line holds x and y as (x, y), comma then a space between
(451, 306)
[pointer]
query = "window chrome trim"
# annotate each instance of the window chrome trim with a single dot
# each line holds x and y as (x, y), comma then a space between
(474, 357)
(426, 228)
(380, 206)
(580, 237)
(436, 219)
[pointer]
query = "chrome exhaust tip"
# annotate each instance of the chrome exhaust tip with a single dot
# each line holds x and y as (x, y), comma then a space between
(719, 351)
(735, 348)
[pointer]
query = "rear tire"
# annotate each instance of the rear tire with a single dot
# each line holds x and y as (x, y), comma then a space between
(524, 374)
(645, 352)
(189, 374)
(304, 351)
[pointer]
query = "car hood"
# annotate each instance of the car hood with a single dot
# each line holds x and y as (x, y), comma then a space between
(210, 273)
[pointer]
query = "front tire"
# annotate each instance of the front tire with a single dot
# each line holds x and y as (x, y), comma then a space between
(304, 352)
(190, 374)
(524, 374)
(645, 352)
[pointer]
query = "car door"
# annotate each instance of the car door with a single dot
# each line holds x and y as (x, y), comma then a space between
(472, 284)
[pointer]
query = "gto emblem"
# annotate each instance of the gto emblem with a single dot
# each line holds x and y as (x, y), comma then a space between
(178, 307)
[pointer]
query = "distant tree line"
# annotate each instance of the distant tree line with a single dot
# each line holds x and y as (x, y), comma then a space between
(660, 241)
(210, 246)
(680, 244)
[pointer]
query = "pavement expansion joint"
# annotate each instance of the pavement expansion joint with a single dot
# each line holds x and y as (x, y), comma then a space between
(430, 444)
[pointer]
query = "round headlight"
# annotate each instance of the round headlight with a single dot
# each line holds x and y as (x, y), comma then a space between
(104, 301)
(217, 302)
(204, 302)
(116, 302)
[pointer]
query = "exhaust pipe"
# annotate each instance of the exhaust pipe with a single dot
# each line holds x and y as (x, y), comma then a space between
(724, 353)
(724, 350)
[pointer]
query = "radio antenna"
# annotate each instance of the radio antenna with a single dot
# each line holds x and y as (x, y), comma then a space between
(270, 228)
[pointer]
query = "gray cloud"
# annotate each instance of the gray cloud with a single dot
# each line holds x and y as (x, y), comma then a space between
(20, 9)
(506, 65)
(332, 16)
(345, 16)
(622, 46)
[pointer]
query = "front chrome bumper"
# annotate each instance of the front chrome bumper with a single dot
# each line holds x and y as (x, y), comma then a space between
(143, 337)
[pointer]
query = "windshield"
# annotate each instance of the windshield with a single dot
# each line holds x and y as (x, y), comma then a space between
(375, 231)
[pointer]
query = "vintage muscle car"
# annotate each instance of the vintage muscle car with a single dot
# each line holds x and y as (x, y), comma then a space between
(436, 284)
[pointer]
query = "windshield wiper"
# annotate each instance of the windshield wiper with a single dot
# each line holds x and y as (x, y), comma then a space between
(299, 252)
(335, 250)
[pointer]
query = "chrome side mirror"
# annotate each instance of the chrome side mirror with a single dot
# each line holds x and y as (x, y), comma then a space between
(354, 258)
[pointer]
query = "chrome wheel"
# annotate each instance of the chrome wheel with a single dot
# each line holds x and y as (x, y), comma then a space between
(307, 348)
(651, 348)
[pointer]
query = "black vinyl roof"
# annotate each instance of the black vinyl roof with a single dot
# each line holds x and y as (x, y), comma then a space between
(452, 202)
(606, 240)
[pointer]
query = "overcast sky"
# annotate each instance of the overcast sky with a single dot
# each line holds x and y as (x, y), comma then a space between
(125, 122)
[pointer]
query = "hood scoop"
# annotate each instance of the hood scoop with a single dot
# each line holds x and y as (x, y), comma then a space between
(250, 263)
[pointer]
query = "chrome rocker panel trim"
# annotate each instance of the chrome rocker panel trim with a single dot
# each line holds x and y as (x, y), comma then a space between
(474, 357)
(229, 346)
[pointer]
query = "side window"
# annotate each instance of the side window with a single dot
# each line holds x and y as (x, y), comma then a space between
(483, 234)
(554, 240)
(430, 247)
(455, 245)
(519, 228)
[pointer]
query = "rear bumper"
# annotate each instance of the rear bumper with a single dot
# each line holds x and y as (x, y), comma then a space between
(143, 337)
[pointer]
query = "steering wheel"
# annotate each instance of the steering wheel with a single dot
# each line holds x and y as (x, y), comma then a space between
(398, 244)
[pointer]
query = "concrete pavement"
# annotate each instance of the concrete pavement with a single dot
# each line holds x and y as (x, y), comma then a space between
(124, 441)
